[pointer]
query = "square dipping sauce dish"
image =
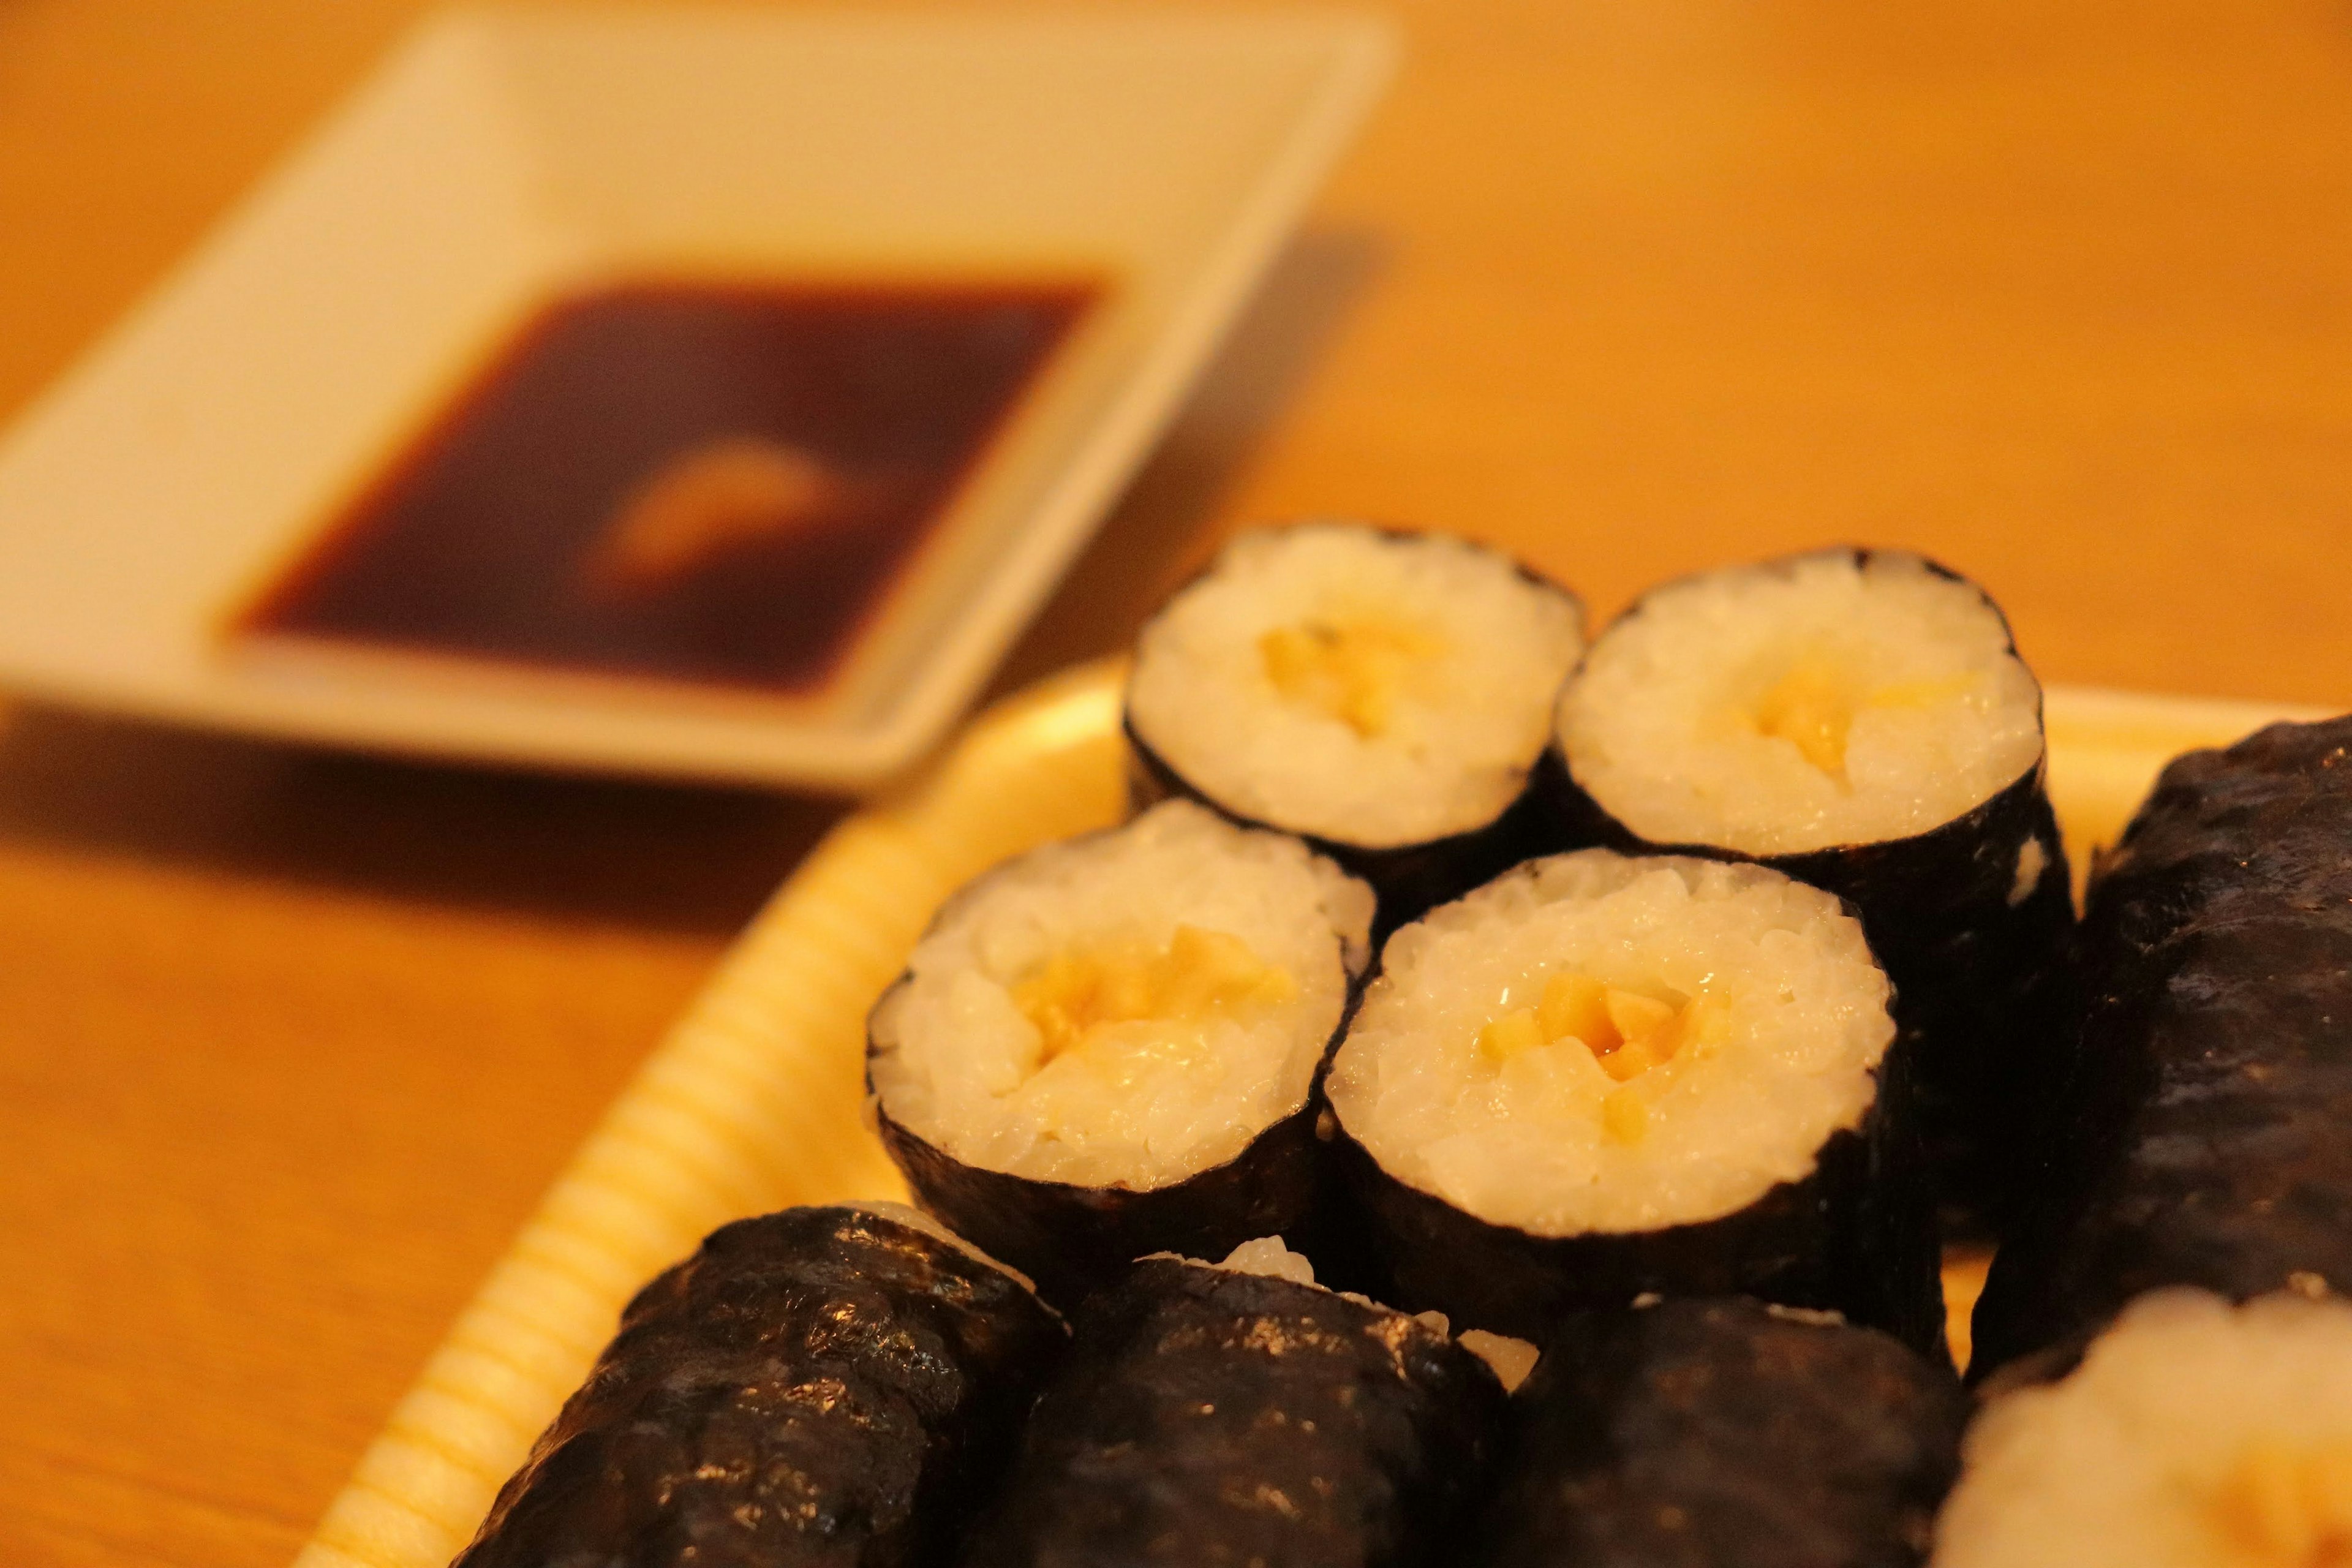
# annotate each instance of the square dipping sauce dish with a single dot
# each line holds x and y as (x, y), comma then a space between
(702, 393)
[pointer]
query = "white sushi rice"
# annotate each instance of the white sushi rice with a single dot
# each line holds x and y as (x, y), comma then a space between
(2194, 1435)
(1145, 1101)
(1670, 724)
(1471, 709)
(1802, 1022)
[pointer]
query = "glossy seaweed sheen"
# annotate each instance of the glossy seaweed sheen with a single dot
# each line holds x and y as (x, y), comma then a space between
(704, 482)
(821, 1387)
(1072, 1239)
(1718, 1434)
(2201, 1138)
(1983, 992)
(1233, 1420)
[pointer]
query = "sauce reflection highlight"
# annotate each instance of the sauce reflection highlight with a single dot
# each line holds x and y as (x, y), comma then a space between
(708, 483)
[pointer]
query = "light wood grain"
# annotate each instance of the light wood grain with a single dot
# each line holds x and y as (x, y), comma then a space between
(289, 1045)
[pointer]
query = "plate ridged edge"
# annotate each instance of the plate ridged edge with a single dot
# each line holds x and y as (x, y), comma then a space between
(753, 1101)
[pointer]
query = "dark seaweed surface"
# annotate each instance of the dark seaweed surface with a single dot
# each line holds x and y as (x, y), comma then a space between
(1714, 1433)
(820, 1386)
(1857, 1236)
(1408, 879)
(1982, 988)
(1237, 1420)
(2202, 1136)
(1073, 1239)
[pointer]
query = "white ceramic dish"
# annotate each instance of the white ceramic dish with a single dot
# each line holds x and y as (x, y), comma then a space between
(752, 1102)
(500, 158)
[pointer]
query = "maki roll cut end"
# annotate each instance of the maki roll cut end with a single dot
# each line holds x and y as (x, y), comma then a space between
(1603, 1075)
(828, 1387)
(1384, 694)
(1238, 1413)
(1842, 698)
(1861, 720)
(1724, 1434)
(2194, 1434)
(1107, 1048)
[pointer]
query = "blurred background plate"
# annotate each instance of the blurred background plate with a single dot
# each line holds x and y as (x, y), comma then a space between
(500, 160)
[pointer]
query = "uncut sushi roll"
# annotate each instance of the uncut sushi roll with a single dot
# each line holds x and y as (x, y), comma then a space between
(1106, 1048)
(2194, 1434)
(1725, 1433)
(1238, 1415)
(1384, 695)
(831, 1387)
(2201, 1139)
(1601, 1076)
(1861, 720)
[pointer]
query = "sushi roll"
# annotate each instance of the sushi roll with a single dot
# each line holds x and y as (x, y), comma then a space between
(2194, 1434)
(1861, 720)
(829, 1386)
(2201, 1139)
(1600, 1075)
(1384, 695)
(1239, 1413)
(1725, 1433)
(1106, 1048)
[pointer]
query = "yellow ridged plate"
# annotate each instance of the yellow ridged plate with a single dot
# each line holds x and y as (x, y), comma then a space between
(753, 1100)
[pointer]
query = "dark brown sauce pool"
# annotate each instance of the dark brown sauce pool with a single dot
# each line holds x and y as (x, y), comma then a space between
(685, 481)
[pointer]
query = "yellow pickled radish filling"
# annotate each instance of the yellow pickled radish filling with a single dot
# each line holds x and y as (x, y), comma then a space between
(2289, 1506)
(1198, 975)
(1628, 1032)
(1352, 670)
(1814, 704)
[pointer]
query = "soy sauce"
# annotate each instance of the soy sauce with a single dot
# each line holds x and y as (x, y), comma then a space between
(713, 484)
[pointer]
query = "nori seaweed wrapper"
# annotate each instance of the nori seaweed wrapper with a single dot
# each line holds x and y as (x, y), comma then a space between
(1208, 1416)
(1072, 1239)
(819, 1386)
(2201, 1138)
(1408, 879)
(1856, 1236)
(1717, 1433)
(1982, 964)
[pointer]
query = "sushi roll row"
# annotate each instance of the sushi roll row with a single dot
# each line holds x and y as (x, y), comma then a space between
(1640, 1003)
(1596, 1077)
(855, 1387)
(1425, 713)
(1801, 994)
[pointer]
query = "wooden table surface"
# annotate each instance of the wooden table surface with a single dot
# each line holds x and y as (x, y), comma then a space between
(2059, 291)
